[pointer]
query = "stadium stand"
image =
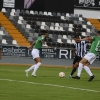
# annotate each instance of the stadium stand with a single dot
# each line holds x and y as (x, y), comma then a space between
(23, 27)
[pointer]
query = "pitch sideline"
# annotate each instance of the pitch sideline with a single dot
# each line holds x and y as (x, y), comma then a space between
(53, 85)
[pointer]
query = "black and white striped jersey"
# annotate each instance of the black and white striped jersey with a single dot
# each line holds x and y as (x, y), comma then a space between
(0, 47)
(80, 48)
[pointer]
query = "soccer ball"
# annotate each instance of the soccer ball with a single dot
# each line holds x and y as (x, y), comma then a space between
(61, 74)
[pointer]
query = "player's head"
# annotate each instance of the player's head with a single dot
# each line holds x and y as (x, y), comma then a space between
(44, 33)
(98, 33)
(77, 38)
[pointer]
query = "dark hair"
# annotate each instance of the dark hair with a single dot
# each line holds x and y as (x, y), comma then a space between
(99, 32)
(43, 32)
(76, 36)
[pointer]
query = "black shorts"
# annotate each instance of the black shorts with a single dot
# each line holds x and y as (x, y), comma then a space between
(77, 59)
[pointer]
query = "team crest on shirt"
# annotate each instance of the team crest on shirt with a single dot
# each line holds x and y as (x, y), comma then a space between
(87, 3)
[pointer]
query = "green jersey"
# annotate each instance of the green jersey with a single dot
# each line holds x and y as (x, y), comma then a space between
(38, 43)
(95, 46)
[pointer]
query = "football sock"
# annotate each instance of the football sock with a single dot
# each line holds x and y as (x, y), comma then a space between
(73, 71)
(79, 69)
(36, 67)
(31, 68)
(87, 69)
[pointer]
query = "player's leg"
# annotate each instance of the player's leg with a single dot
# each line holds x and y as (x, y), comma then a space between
(37, 65)
(74, 67)
(88, 59)
(87, 69)
(35, 54)
(81, 64)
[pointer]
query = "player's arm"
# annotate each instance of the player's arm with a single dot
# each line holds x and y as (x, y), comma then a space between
(45, 44)
(87, 39)
(73, 52)
(32, 45)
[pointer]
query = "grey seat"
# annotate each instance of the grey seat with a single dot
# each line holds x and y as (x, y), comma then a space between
(47, 28)
(66, 25)
(38, 23)
(61, 24)
(35, 35)
(69, 37)
(76, 15)
(36, 12)
(27, 30)
(52, 24)
(59, 36)
(11, 18)
(6, 33)
(75, 22)
(64, 40)
(18, 10)
(16, 14)
(51, 36)
(24, 22)
(31, 34)
(30, 39)
(0, 37)
(27, 11)
(23, 26)
(2, 29)
(58, 14)
(40, 13)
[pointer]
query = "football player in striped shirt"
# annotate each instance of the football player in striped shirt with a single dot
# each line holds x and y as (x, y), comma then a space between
(79, 51)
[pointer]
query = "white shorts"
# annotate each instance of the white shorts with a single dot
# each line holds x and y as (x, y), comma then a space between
(35, 53)
(90, 57)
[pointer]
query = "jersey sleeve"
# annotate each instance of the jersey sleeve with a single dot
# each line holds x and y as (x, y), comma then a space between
(94, 37)
(42, 38)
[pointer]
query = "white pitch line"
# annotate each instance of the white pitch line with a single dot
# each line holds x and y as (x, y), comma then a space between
(60, 86)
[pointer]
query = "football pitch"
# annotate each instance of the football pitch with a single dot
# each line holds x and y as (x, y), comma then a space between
(14, 85)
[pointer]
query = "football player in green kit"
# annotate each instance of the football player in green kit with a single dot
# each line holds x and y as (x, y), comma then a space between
(90, 56)
(36, 46)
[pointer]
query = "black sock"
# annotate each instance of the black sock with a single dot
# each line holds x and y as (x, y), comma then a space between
(73, 71)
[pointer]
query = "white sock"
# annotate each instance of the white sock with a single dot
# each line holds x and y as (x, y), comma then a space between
(31, 68)
(79, 69)
(87, 69)
(36, 67)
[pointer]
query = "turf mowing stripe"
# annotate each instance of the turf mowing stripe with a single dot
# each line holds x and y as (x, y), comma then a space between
(50, 85)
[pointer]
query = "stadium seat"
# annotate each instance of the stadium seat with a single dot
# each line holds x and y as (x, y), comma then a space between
(14, 42)
(12, 14)
(65, 37)
(3, 10)
(2, 33)
(20, 22)
(49, 14)
(45, 13)
(84, 34)
(69, 41)
(73, 41)
(28, 26)
(67, 14)
(20, 18)
(13, 10)
(32, 12)
(4, 41)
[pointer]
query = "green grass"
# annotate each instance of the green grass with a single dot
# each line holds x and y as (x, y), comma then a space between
(24, 89)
